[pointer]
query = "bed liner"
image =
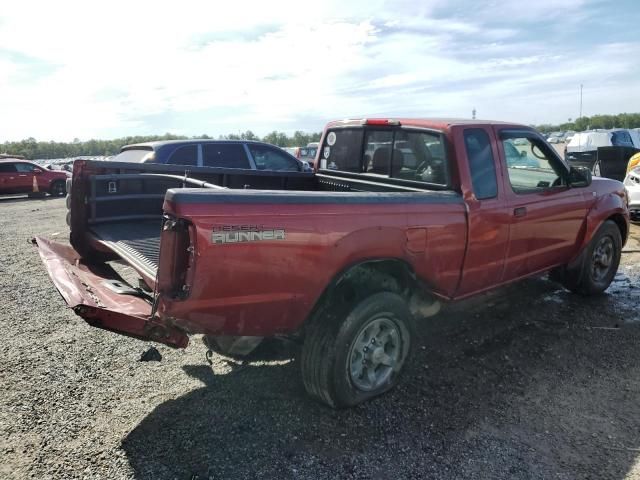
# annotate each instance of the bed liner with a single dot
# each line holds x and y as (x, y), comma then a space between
(137, 243)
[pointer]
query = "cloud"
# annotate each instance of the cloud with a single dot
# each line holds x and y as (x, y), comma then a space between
(122, 68)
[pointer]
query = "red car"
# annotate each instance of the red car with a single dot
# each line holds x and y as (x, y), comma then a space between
(400, 216)
(16, 176)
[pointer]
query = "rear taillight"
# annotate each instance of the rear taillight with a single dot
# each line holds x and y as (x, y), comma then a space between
(177, 245)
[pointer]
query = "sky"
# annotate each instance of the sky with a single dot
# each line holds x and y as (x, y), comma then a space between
(110, 69)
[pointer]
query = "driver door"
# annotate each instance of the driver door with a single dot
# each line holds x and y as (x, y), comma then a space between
(546, 214)
(24, 177)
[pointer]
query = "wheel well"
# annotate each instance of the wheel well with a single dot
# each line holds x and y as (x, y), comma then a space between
(375, 275)
(363, 279)
(621, 223)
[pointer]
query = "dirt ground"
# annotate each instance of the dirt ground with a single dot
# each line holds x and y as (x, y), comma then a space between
(530, 382)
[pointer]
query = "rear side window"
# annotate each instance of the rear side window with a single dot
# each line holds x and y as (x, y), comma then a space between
(7, 168)
(481, 163)
(225, 155)
(343, 150)
(185, 155)
(134, 155)
(268, 158)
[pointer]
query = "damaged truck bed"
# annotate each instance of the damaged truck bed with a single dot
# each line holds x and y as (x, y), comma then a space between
(398, 216)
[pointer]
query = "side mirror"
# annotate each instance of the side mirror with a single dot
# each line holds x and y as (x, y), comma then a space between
(37, 171)
(523, 154)
(579, 177)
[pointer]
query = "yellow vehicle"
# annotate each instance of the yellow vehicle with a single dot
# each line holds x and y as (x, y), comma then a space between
(634, 161)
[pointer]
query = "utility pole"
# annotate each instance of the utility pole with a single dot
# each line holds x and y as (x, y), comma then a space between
(580, 101)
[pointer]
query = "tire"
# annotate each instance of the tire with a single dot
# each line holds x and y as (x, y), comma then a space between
(340, 367)
(597, 265)
(58, 188)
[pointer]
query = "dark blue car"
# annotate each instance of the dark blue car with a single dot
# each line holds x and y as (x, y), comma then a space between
(213, 153)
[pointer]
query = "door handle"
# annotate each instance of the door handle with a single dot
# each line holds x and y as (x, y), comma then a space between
(520, 212)
(22, 175)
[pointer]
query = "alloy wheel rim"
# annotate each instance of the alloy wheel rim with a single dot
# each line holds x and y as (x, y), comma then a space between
(602, 258)
(375, 354)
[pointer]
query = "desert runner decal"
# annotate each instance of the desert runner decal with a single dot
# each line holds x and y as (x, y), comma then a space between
(223, 234)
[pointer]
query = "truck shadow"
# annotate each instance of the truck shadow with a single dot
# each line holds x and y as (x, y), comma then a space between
(515, 385)
(24, 198)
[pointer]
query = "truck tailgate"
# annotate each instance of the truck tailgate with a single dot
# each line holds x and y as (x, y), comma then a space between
(101, 297)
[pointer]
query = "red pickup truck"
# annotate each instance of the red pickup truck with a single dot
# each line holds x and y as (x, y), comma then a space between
(398, 216)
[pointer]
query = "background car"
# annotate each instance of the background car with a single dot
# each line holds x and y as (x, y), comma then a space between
(582, 150)
(634, 162)
(307, 154)
(213, 153)
(632, 186)
(17, 176)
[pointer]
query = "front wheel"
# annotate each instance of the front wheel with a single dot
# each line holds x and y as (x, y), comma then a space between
(58, 188)
(349, 357)
(598, 263)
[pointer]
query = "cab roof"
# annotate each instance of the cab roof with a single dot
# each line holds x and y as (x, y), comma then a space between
(431, 123)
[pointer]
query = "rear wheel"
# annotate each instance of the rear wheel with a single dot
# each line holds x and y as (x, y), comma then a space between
(358, 353)
(597, 265)
(58, 188)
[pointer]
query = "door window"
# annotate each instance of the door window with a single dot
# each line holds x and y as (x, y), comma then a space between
(481, 163)
(225, 155)
(268, 158)
(530, 164)
(24, 167)
(185, 155)
(7, 168)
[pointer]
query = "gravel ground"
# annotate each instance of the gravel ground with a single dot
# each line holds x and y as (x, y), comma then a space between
(528, 382)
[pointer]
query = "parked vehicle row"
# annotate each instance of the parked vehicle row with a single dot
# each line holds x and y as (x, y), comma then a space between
(560, 137)
(583, 148)
(617, 164)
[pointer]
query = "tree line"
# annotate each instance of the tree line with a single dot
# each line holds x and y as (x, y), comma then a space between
(621, 120)
(35, 150)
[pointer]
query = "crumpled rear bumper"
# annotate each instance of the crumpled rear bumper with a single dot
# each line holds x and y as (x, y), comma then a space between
(84, 287)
